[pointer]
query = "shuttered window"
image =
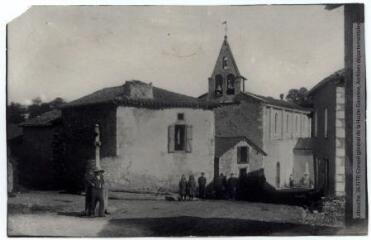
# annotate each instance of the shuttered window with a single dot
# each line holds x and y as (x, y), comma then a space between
(179, 138)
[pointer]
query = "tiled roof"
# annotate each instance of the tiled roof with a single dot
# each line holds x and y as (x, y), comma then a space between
(303, 144)
(13, 131)
(223, 144)
(275, 102)
(45, 119)
(266, 100)
(161, 99)
(336, 76)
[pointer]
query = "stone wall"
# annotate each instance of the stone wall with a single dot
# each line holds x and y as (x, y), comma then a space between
(143, 162)
(243, 119)
(340, 142)
(35, 156)
(280, 137)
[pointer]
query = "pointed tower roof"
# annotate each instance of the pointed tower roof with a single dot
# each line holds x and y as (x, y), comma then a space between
(225, 51)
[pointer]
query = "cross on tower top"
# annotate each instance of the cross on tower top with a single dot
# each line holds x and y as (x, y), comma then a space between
(225, 28)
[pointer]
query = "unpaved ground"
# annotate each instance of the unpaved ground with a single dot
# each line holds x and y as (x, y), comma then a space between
(54, 214)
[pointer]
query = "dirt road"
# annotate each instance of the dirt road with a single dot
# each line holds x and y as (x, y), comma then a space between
(53, 214)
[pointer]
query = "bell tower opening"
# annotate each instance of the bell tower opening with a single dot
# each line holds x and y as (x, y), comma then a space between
(230, 84)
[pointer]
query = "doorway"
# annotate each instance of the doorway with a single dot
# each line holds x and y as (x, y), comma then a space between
(278, 175)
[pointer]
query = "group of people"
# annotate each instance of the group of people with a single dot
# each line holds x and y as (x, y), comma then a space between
(223, 188)
(226, 188)
(96, 193)
(187, 189)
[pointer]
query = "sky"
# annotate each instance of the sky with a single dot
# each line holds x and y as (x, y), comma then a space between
(71, 51)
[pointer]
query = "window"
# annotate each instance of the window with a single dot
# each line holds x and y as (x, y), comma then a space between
(296, 124)
(325, 128)
(287, 123)
(275, 123)
(243, 154)
(179, 138)
(230, 84)
(315, 123)
(218, 85)
(225, 62)
(180, 116)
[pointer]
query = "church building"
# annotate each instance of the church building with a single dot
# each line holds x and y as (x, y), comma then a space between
(278, 130)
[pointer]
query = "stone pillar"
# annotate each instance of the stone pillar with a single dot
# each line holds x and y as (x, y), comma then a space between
(97, 144)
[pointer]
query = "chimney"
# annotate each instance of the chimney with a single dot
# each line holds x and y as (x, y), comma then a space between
(139, 89)
(281, 96)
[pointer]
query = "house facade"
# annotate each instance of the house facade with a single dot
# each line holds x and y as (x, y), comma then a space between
(274, 125)
(150, 137)
(329, 133)
(237, 155)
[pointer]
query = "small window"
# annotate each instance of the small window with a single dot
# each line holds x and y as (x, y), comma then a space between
(180, 138)
(225, 62)
(230, 84)
(180, 116)
(218, 85)
(275, 123)
(315, 124)
(325, 134)
(243, 154)
(296, 124)
(287, 123)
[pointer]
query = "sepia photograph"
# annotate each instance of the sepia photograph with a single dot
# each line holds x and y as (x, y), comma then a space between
(179, 121)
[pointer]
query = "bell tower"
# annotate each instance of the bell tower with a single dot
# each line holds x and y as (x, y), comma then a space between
(225, 81)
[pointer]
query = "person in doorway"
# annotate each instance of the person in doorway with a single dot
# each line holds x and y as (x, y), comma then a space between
(202, 186)
(232, 186)
(182, 188)
(98, 193)
(191, 187)
(88, 182)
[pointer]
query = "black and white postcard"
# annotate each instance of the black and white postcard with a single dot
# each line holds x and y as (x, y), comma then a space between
(178, 121)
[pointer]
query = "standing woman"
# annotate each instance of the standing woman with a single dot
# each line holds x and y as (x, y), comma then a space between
(182, 188)
(191, 187)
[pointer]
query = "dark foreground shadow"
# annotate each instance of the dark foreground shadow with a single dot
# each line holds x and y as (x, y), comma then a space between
(71, 214)
(195, 226)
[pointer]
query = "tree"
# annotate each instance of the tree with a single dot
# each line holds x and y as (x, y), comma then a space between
(57, 103)
(15, 113)
(299, 97)
(38, 107)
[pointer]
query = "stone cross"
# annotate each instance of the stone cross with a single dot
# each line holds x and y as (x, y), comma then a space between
(225, 23)
(97, 144)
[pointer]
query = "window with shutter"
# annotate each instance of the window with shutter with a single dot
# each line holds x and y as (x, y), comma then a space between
(171, 142)
(189, 139)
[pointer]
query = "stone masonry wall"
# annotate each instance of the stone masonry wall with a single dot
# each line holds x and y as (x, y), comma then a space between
(340, 142)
